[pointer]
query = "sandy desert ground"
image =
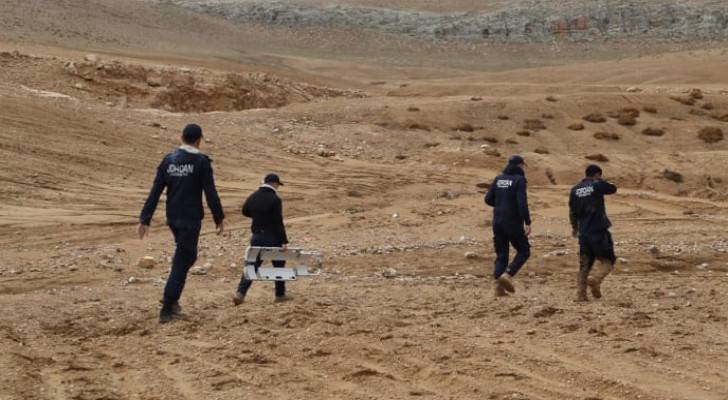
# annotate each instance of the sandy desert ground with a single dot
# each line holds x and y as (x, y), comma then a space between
(386, 146)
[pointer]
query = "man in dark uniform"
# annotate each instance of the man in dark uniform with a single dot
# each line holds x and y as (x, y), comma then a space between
(511, 223)
(266, 210)
(186, 174)
(590, 223)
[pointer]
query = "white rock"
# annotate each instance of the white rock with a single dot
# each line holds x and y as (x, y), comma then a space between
(92, 58)
(390, 273)
(198, 271)
(147, 262)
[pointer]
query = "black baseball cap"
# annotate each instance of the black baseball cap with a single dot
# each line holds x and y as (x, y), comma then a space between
(592, 170)
(191, 133)
(516, 160)
(272, 178)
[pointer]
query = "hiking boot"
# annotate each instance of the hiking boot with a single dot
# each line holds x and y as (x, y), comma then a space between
(498, 289)
(595, 281)
(581, 283)
(505, 282)
(284, 298)
(595, 286)
(171, 312)
(238, 298)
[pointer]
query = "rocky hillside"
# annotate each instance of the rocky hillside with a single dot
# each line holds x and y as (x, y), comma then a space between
(528, 21)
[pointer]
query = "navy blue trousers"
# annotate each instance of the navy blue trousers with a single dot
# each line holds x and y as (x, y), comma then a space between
(186, 237)
(596, 246)
(503, 238)
(263, 240)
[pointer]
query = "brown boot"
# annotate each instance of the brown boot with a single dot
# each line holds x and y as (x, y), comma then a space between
(595, 281)
(581, 282)
(498, 289)
(505, 282)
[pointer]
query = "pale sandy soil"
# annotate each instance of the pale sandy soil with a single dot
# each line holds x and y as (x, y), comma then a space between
(80, 154)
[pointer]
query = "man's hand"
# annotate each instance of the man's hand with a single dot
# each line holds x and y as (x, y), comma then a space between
(527, 228)
(284, 248)
(220, 228)
(142, 230)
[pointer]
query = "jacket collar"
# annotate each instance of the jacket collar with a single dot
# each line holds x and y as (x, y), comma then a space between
(514, 170)
(189, 149)
(265, 185)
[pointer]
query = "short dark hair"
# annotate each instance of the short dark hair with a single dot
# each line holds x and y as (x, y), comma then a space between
(593, 170)
(191, 133)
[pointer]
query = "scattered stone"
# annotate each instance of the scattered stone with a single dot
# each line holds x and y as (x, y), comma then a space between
(489, 139)
(503, 117)
(577, 126)
(324, 152)
(390, 273)
(448, 195)
(696, 94)
(416, 126)
(147, 262)
(699, 113)
(413, 109)
(492, 152)
(649, 109)
(92, 58)
(395, 215)
(688, 101)
(606, 136)
(464, 127)
(556, 253)
(476, 98)
(597, 157)
(552, 99)
(471, 256)
(198, 270)
(672, 176)
(654, 250)
(626, 120)
(154, 81)
(708, 106)
(73, 268)
(653, 132)
(483, 185)
(711, 134)
(513, 141)
(534, 124)
(630, 111)
(633, 89)
(541, 150)
(523, 133)
(547, 116)
(596, 118)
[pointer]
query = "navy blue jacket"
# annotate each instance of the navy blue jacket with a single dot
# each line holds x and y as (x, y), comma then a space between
(507, 195)
(186, 176)
(266, 209)
(587, 212)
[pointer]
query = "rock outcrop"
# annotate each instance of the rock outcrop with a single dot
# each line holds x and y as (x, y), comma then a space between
(528, 21)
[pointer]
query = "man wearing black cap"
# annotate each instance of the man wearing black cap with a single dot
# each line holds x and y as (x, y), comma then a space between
(266, 210)
(590, 223)
(186, 174)
(511, 223)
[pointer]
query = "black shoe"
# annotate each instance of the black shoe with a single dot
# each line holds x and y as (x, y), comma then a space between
(171, 312)
(238, 298)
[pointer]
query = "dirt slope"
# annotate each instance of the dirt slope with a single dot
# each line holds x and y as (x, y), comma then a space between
(385, 165)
